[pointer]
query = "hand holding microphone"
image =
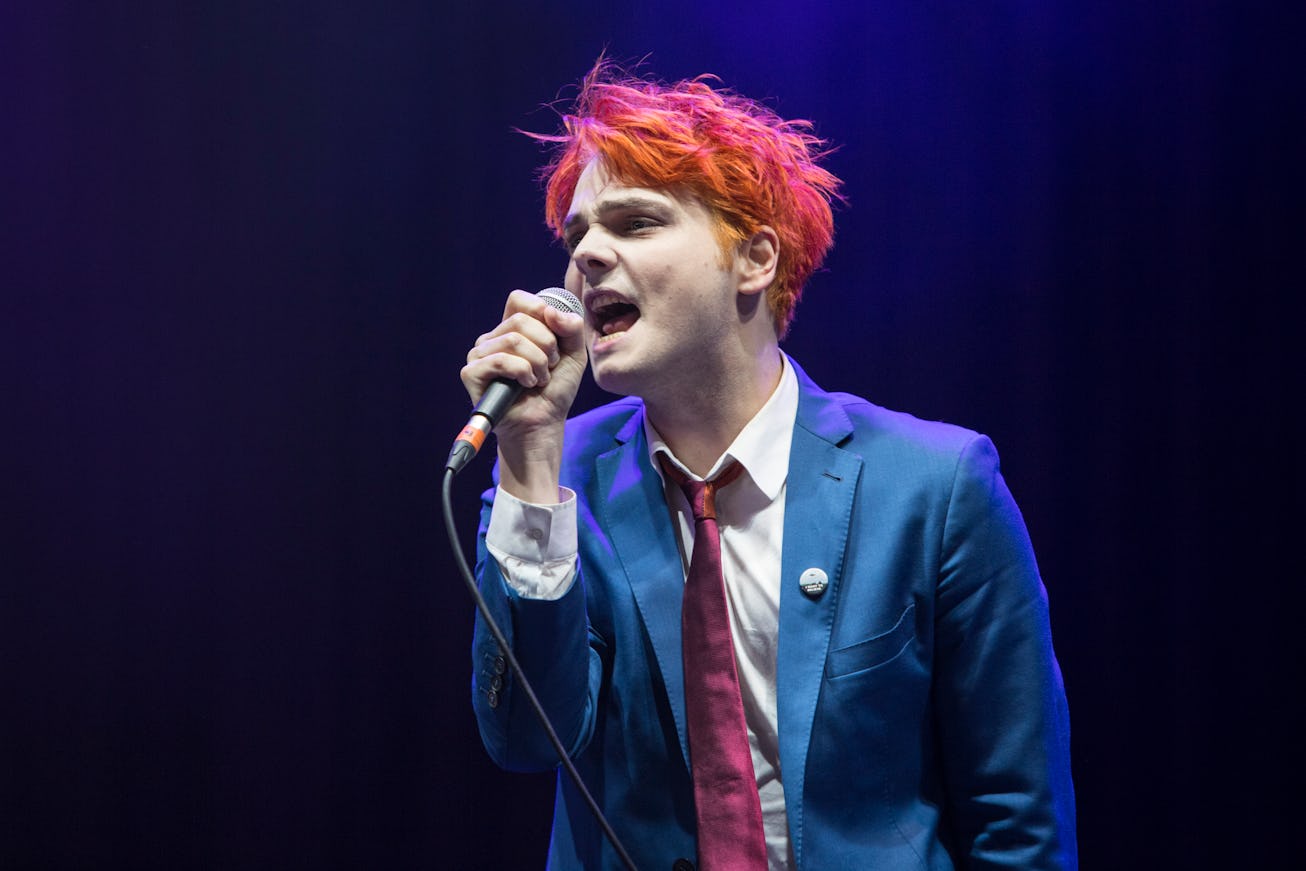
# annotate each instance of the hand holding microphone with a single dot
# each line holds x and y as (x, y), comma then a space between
(538, 346)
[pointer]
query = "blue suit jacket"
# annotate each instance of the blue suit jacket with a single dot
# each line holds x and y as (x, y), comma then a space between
(922, 719)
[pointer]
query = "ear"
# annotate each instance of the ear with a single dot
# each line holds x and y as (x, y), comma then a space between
(759, 258)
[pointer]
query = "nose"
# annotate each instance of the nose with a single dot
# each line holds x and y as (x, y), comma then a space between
(593, 255)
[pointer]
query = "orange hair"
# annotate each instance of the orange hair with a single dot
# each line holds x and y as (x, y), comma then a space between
(748, 165)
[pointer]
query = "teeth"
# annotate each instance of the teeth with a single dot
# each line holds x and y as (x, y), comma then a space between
(603, 300)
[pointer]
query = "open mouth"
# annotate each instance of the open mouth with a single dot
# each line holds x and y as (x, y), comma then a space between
(609, 314)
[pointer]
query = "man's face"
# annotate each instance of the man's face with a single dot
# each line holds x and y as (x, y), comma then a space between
(659, 295)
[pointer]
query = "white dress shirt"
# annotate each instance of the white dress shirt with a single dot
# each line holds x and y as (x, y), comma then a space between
(535, 546)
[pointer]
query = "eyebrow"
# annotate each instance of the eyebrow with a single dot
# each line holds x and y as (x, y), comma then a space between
(617, 204)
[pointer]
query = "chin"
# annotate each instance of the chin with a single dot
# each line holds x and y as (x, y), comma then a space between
(612, 383)
(615, 379)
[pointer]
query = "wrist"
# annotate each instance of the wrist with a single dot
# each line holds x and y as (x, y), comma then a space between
(529, 468)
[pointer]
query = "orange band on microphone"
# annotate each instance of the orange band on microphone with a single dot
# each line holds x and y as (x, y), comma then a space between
(472, 435)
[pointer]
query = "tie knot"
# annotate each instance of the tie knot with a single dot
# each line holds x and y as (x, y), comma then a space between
(701, 494)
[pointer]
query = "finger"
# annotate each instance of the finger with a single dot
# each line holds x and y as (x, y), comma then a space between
(567, 328)
(525, 302)
(532, 328)
(562, 323)
(529, 339)
(478, 374)
(514, 355)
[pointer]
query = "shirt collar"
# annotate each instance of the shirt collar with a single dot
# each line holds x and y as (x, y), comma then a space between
(762, 446)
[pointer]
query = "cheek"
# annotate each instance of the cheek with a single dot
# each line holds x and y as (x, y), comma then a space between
(571, 278)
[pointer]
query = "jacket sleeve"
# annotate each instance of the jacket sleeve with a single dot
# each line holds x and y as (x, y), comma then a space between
(553, 643)
(1001, 707)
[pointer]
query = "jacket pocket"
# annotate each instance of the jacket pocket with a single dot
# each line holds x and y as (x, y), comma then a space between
(874, 651)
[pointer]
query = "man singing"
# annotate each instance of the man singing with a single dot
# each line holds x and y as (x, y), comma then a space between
(775, 627)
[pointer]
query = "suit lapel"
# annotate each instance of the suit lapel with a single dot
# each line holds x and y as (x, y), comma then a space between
(636, 519)
(819, 495)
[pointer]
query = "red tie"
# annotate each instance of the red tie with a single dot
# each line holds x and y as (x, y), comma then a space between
(726, 803)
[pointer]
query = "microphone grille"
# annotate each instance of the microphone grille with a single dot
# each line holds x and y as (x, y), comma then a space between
(562, 300)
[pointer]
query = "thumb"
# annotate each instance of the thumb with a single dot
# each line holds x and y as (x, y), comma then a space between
(569, 328)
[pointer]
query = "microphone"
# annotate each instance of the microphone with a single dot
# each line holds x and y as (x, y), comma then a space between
(501, 393)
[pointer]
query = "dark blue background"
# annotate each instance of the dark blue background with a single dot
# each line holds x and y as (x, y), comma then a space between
(246, 246)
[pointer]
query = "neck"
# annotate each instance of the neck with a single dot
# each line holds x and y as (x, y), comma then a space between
(700, 424)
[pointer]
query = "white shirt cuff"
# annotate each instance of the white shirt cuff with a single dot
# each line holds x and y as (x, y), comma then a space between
(535, 545)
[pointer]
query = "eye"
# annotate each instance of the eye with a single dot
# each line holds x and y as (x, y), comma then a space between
(572, 239)
(634, 225)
